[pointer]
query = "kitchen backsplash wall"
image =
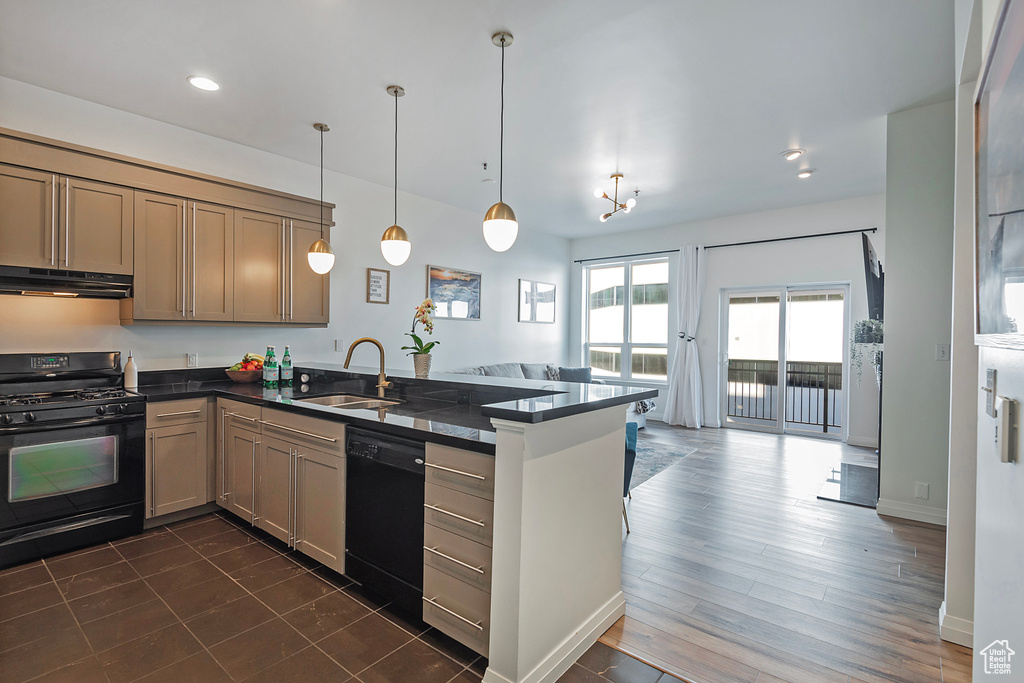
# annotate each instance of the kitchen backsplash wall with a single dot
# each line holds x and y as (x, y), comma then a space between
(441, 234)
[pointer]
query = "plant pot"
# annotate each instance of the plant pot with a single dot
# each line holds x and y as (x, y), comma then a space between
(421, 362)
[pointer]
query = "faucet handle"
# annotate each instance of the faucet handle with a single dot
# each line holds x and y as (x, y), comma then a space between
(384, 384)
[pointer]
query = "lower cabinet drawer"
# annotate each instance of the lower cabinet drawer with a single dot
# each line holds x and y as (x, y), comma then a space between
(457, 609)
(459, 513)
(457, 556)
(168, 413)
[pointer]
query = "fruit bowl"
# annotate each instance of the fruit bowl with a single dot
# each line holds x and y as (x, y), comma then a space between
(244, 376)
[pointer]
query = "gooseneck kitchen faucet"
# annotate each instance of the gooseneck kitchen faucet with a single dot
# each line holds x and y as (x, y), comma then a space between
(382, 379)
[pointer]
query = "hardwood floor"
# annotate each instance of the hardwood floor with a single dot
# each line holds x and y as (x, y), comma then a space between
(734, 571)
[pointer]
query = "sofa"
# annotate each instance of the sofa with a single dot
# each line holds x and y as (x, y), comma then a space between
(547, 372)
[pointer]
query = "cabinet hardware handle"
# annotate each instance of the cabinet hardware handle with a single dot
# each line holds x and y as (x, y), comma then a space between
(152, 474)
(298, 431)
(252, 505)
(435, 603)
(291, 496)
(452, 514)
(223, 454)
(54, 210)
(478, 570)
(184, 257)
(291, 270)
(298, 457)
(449, 469)
(67, 223)
(193, 259)
(184, 412)
(283, 266)
(242, 417)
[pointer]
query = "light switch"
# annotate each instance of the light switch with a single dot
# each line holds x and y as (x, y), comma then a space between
(990, 392)
(942, 352)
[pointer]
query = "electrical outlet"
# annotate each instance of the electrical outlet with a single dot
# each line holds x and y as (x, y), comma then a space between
(942, 352)
(192, 360)
(339, 345)
(921, 490)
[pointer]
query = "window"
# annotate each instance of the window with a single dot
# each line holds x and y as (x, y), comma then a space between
(626, 327)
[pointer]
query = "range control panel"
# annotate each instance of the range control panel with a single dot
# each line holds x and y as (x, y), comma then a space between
(56, 362)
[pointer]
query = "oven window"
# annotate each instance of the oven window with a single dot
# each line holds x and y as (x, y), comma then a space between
(52, 469)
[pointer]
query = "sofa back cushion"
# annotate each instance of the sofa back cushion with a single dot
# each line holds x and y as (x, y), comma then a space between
(504, 370)
(467, 371)
(544, 371)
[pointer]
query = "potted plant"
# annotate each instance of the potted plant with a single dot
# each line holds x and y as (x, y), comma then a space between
(420, 352)
(867, 339)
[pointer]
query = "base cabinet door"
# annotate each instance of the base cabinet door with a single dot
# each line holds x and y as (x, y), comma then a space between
(240, 462)
(176, 466)
(275, 483)
(320, 507)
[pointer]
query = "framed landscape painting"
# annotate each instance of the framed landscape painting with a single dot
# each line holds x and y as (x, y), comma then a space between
(999, 226)
(456, 293)
(536, 302)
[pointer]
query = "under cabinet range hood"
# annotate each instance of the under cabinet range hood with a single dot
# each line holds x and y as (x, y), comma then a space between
(66, 283)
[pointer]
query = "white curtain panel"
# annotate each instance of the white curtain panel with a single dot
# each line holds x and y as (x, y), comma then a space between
(685, 404)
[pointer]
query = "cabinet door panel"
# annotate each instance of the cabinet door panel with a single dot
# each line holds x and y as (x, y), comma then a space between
(177, 466)
(28, 202)
(97, 223)
(309, 294)
(274, 508)
(259, 267)
(320, 510)
(211, 240)
(159, 288)
(241, 451)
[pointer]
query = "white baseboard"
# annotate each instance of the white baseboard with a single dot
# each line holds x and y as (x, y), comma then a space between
(572, 648)
(955, 629)
(865, 441)
(918, 513)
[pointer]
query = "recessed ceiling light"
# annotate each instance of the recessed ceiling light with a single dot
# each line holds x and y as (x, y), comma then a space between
(791, 154)
(805, 173)
(203, 83)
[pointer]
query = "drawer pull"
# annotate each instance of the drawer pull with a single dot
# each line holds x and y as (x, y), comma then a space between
(242, 417)
(298, 431)
(449, 469)
(452, 514)
(478, 570)
(474, 624)
(184, 412)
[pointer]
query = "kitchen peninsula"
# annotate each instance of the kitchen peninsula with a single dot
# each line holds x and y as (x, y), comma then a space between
(546, 529)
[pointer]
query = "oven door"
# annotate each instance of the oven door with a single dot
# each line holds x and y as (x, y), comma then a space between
(66, 470)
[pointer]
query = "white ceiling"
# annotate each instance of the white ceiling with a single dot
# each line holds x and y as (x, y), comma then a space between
(693, 100)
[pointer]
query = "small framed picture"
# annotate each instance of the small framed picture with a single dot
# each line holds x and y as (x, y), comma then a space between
(536, 302)
(456, 293)
(378, 286)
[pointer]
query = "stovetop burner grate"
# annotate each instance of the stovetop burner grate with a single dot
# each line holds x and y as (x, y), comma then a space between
(96, 394)
(20, 399)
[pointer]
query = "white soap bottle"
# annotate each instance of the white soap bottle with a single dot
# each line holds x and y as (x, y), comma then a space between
(131, 373)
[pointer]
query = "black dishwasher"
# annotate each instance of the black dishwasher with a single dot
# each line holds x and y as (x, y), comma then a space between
(384, 515)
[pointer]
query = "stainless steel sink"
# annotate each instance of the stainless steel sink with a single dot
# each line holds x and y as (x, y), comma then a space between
(351, 401)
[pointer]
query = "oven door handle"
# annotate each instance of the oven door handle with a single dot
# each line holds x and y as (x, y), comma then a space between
(27, 428)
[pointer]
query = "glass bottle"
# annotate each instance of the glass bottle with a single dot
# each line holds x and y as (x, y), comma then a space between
(286, 367)
(270, 369)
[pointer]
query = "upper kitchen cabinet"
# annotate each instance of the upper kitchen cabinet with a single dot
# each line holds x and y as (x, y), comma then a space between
(28, 219)
(260, 268)
(51, 221)
(309, 294)
(198, 282)
(96, 224)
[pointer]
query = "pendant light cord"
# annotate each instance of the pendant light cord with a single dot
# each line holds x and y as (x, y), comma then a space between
(501, 128)
(396, 157)
(321, 183)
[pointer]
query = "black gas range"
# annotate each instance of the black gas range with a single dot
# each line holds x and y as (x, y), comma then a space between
(72, 453)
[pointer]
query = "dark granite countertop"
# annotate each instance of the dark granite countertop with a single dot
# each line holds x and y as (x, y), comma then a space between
(450, 409)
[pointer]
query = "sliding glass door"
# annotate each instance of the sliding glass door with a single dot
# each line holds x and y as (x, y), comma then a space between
(784, 362)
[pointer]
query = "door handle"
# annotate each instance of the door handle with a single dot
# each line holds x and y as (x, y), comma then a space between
(452, 514)
(184, 258)
(193, 259)
(298, 465)
(449, 469)
(478, 570)
(67, 222)
(54, 213)
(290, 261)
(223, 454)
(252, 505)
(475, 624)
(183, 412)
(152, 474)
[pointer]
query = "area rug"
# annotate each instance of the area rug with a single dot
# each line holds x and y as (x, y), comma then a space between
(653, 457)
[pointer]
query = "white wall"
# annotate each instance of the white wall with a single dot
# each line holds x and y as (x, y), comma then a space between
(822, 260)
(441, 234)
(918, 292)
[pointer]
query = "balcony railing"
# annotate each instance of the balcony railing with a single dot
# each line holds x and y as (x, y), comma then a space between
(813, 400)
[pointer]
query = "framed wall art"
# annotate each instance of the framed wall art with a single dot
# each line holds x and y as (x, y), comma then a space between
(456, 293)
(378, 286)
(536, 302)
(999, 223)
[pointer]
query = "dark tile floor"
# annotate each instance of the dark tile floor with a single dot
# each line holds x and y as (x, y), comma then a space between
(211, 600)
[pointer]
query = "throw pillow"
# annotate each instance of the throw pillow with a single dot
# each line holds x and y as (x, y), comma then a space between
(574, 375)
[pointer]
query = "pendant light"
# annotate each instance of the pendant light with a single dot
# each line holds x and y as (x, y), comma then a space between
(500, 225)
(394, 244)
(320, 254)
